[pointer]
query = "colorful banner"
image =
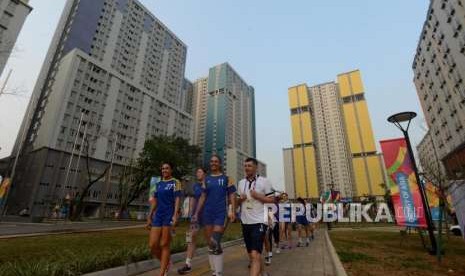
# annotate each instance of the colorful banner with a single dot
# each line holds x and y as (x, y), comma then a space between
(402, 182)
(458, 202)
(432, 194)
(4, 186)
(331, 196)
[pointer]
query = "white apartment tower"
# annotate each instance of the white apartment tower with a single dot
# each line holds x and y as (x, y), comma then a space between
(332, 151)
(439, 68)
(199, 110)
(113, 74)
(116, 64)
(13, 13)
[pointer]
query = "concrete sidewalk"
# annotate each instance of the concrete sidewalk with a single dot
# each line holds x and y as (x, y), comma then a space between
(314, 260)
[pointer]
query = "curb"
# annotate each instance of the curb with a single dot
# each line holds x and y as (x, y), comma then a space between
(148, 265)
(71, 231)
(338, 267)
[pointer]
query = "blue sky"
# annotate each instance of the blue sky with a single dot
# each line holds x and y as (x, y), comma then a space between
(273, 45)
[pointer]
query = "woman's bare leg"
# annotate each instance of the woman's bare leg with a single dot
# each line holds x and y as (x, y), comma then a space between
(165, 249)
(154, 242)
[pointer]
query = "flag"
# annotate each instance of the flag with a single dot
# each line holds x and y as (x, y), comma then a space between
(153, 186)
(403, 185)
(4, 186)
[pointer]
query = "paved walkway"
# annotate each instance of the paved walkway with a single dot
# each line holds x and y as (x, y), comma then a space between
(314, 260)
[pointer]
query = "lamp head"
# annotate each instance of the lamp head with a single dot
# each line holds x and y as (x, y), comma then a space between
(402, 117)
(399, 118)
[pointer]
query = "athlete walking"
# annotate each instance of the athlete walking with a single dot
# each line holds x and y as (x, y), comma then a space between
(254, 191)
(218, 193)
(285, 227)
(191, 234)
(303, 226)
(164, 216)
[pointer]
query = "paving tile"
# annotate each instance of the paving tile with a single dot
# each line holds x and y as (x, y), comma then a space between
(313, 260)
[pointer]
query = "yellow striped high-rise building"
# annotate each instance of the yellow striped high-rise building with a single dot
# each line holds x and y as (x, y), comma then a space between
(333, 141)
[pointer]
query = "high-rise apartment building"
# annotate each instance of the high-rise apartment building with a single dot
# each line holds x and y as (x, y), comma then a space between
(332, 154)
(439, 68)
(13, 13)
(333, 142)
(199, 110)
(224, 119)
(187, 96)
(304, 167)
(289, 182)
(113, 74)
(368, 171)
(230, 121)
(431, 166)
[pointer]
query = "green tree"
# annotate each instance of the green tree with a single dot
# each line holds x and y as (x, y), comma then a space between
(78, 204)
(157, 150)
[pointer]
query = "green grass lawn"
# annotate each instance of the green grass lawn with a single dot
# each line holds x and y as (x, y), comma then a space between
(383, 253)
(75, 254)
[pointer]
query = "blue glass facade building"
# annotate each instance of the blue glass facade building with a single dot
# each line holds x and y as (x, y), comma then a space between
(230, 121)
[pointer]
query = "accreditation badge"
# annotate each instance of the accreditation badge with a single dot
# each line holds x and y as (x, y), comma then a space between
(249, 204)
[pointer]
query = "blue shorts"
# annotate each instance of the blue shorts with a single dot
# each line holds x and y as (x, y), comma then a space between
(160, 220)
(214, 218)
(254, 236)
(302, 220)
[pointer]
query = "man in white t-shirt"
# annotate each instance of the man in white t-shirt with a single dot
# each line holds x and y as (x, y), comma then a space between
(254, 192)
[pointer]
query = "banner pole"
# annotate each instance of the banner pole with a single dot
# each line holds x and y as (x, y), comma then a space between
(422, 194)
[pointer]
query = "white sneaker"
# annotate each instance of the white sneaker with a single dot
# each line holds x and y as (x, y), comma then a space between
(278, 251)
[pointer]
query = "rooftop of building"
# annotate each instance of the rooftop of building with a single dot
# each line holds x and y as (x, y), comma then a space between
(348, 72)
(160, 22)
(422, 33)
(232, 69)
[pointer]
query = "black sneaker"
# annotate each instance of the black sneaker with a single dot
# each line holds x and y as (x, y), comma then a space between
(267, 260)
(185, 270)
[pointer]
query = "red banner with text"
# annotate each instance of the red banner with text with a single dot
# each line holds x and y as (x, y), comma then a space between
(403, 185)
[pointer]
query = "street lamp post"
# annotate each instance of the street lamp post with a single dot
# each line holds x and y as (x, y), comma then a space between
(397, 119)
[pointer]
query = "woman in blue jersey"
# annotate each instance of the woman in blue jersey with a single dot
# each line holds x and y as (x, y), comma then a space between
(193, 230)
(218, 194)
(303, 226)
(164, 216)
(285, 227)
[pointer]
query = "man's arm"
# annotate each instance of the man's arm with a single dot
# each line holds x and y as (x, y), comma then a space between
(232, 200)
(192, 202)
(241, 197)
(262, 198)
(200, 204)
(177, 201)
(176, 210)
(268, 197)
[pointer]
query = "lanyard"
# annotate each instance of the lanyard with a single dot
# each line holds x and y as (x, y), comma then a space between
(253, 181)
